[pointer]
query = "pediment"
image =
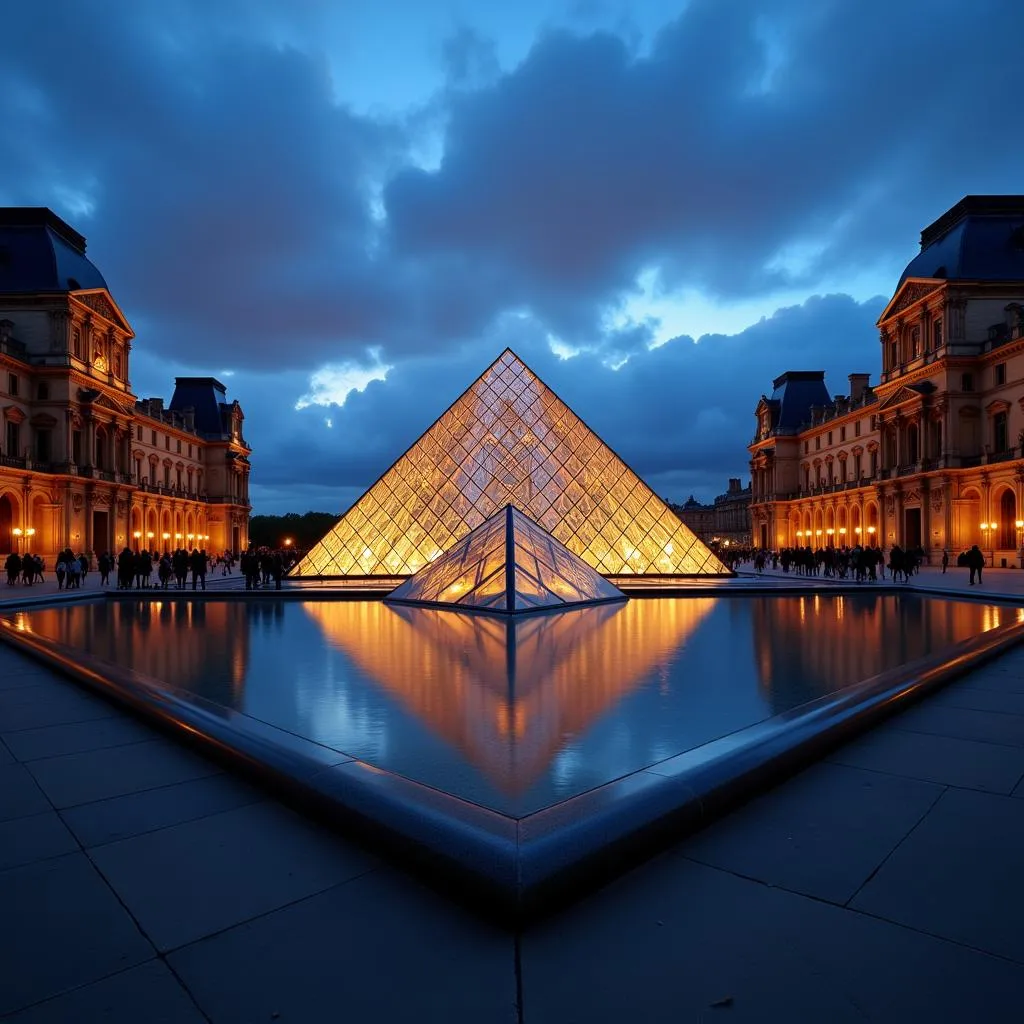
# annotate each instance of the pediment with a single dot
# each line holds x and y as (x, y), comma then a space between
(914, 289)
(100, 400)
(901, 396)
(100, 302)
(14, 413)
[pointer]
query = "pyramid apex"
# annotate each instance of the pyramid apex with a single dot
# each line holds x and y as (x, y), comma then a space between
(507, 565)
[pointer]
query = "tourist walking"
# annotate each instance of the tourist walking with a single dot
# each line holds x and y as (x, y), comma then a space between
(945, 561)
(975, 562)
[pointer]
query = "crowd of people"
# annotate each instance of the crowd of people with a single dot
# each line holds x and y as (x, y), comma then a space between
(861, 563)
(141, 570)
(28, 568)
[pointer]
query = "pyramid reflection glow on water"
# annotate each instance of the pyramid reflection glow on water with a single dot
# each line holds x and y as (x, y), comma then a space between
(511, 693)
(509, 440)
(507, 565)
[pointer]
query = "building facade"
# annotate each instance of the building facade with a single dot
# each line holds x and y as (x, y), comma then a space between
(725, 520)
(932, 455)
(84, 463)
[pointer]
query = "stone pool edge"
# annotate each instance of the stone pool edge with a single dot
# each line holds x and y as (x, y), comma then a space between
(511, 869)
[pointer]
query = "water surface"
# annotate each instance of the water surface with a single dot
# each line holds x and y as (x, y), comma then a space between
(517, 716)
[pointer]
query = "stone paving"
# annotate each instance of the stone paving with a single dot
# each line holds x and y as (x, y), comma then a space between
(141, 883)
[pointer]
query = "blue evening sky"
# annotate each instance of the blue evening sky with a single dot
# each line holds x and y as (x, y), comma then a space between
(347, 209)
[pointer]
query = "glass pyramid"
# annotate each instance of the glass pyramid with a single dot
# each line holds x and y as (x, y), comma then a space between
(509, 439)
(507, 564)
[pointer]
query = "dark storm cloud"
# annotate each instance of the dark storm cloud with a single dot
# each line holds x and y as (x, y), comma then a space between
(248, 218)
(747, 131)
(678, 415)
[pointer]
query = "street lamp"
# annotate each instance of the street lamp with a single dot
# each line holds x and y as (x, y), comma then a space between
(830, 532)
(1020, 544)
(287, 542)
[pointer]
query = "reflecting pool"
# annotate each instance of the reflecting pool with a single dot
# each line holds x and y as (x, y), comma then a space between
(517, 715)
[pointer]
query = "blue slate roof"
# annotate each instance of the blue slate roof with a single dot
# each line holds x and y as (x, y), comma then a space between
(979, 239)
(793, 395)
(208, 397)
(39, 252)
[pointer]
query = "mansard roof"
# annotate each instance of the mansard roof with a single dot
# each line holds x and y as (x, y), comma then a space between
(795, 392)
(981, 238)
(208, 398)
(40, 253)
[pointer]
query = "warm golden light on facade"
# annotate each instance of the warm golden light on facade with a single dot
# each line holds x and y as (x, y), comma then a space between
(509, 440)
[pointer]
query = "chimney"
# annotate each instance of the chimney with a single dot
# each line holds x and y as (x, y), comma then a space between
(734, 485)
(858, 385)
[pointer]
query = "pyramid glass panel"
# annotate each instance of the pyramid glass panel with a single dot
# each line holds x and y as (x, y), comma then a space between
(507, 564)
(510, 440)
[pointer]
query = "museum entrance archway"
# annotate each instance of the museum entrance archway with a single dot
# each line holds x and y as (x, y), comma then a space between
(100, 531)
(911, 529)
(6, 524)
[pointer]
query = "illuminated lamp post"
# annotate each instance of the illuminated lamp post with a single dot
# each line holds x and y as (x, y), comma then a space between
(30, 533)
(988, 538)
(871, 536)
(138, 536)
(18, 534)
(287, 542)
(1020, 544)
(830, 532)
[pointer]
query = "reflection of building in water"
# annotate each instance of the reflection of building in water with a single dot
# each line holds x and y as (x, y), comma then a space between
(821, 643)
(199, 646)
(510, 694)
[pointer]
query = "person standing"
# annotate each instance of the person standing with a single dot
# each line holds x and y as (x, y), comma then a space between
(945, 561)
(197, 563)
(975, 562)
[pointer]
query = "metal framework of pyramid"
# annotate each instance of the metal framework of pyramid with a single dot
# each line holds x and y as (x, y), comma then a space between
(509, 439)
(508, 564)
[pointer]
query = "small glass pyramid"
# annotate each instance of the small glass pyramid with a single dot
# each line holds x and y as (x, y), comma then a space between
(509, 439)
(508, 564)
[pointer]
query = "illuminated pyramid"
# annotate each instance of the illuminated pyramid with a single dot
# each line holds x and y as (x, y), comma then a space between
(509, 440)
(507, 564)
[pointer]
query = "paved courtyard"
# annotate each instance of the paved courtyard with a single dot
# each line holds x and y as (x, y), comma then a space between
(139, 882)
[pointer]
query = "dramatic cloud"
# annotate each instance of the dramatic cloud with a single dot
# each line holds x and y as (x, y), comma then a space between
(362, 204)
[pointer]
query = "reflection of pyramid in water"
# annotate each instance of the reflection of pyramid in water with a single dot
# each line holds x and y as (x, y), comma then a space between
(509, 692)
(507, 564)
(509, 440)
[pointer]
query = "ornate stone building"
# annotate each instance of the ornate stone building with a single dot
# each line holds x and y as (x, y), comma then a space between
(83, 463)
(932, 455)
(727, 519)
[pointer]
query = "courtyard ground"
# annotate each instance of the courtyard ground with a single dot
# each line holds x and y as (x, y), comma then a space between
(141, 882)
